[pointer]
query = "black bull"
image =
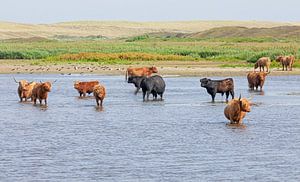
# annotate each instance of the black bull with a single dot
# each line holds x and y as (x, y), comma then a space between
(154, 85)
(218, 86)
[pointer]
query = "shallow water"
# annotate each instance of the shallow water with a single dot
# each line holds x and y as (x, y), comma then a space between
(183, 138)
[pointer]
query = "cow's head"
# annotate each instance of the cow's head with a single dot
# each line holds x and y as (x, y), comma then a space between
(205, 82)
(262, 76)
(46, 86)
(154, 69)
(135, 79)
(244, 104)
(278, 58)
(256, 65)
(76, 84)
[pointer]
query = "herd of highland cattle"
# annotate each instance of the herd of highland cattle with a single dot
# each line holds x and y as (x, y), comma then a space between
(235, 110)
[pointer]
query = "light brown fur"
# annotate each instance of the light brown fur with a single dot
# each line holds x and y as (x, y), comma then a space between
(99, 93)
(40, 92)
(262, 63)
(236, 110)
(144, 71)
(256, 79)
(85, 87)
(286, 61)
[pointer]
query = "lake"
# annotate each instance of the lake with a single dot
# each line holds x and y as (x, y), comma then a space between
(183, 138)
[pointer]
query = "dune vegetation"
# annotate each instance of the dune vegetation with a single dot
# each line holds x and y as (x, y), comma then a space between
(240, 48)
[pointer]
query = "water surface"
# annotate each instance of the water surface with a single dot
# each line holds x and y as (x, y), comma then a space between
(183, 138)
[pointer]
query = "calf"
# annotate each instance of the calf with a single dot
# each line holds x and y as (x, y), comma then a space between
(256, 79)
(236, 110)
(154, 85)
(40, 92)
(218, 86)
(99, 93)
(85, 87)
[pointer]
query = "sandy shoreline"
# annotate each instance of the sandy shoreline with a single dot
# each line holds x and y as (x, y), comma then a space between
(165, 68)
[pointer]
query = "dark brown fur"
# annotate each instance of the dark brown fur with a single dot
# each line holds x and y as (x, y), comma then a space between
(256, 79)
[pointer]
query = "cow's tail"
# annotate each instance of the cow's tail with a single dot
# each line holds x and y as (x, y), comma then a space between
(126, 74)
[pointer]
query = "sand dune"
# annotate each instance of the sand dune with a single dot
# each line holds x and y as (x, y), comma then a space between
(118, 29)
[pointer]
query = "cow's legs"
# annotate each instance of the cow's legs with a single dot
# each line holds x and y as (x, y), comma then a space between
(144, 94)
(161, 96)
(227, 95)
(40, 100)
(232, 94)
(45, 101)
(148, 93)
(101, 101)
(213, 97)
(137, 90)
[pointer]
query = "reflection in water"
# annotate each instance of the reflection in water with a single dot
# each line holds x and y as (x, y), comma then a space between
(183, 138)
(257, 92)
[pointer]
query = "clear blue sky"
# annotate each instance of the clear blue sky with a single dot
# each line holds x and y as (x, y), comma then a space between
(50, 11)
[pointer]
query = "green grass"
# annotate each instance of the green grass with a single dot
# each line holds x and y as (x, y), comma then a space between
(233, 50)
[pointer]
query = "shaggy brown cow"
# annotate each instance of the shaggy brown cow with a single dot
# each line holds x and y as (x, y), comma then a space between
(236, 110)
(286, 61)
(262, 63)
(25, 89)
(40, 92)
(99, 93)
(85, 87)
(256, 79)
(145, 71)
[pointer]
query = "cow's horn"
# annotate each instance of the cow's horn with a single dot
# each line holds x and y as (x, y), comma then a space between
(240, 97)
(54, 81)
(15, 80)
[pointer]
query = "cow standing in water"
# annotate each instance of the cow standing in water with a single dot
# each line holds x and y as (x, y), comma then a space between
(144, 71)
(154, 85)
(256, 79)
(218, 86)
(136, 80)
(40, 92)
(236, 110)
(99, 93)
(85, 87)
(25, 89)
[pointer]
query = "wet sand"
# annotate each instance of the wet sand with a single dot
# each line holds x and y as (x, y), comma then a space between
(167, 68)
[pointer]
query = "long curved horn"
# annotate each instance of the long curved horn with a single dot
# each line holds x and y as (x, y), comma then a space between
(54, 81)
(240, 97)
(15, 80)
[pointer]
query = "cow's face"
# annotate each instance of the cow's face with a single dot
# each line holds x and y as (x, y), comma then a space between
(205, 82)
(76, 84)
(154, 69)
(133, 79)
(245, 105)
(256, 65)
(46, 86)
(262, 76)
(278, 58)
(23, 83)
